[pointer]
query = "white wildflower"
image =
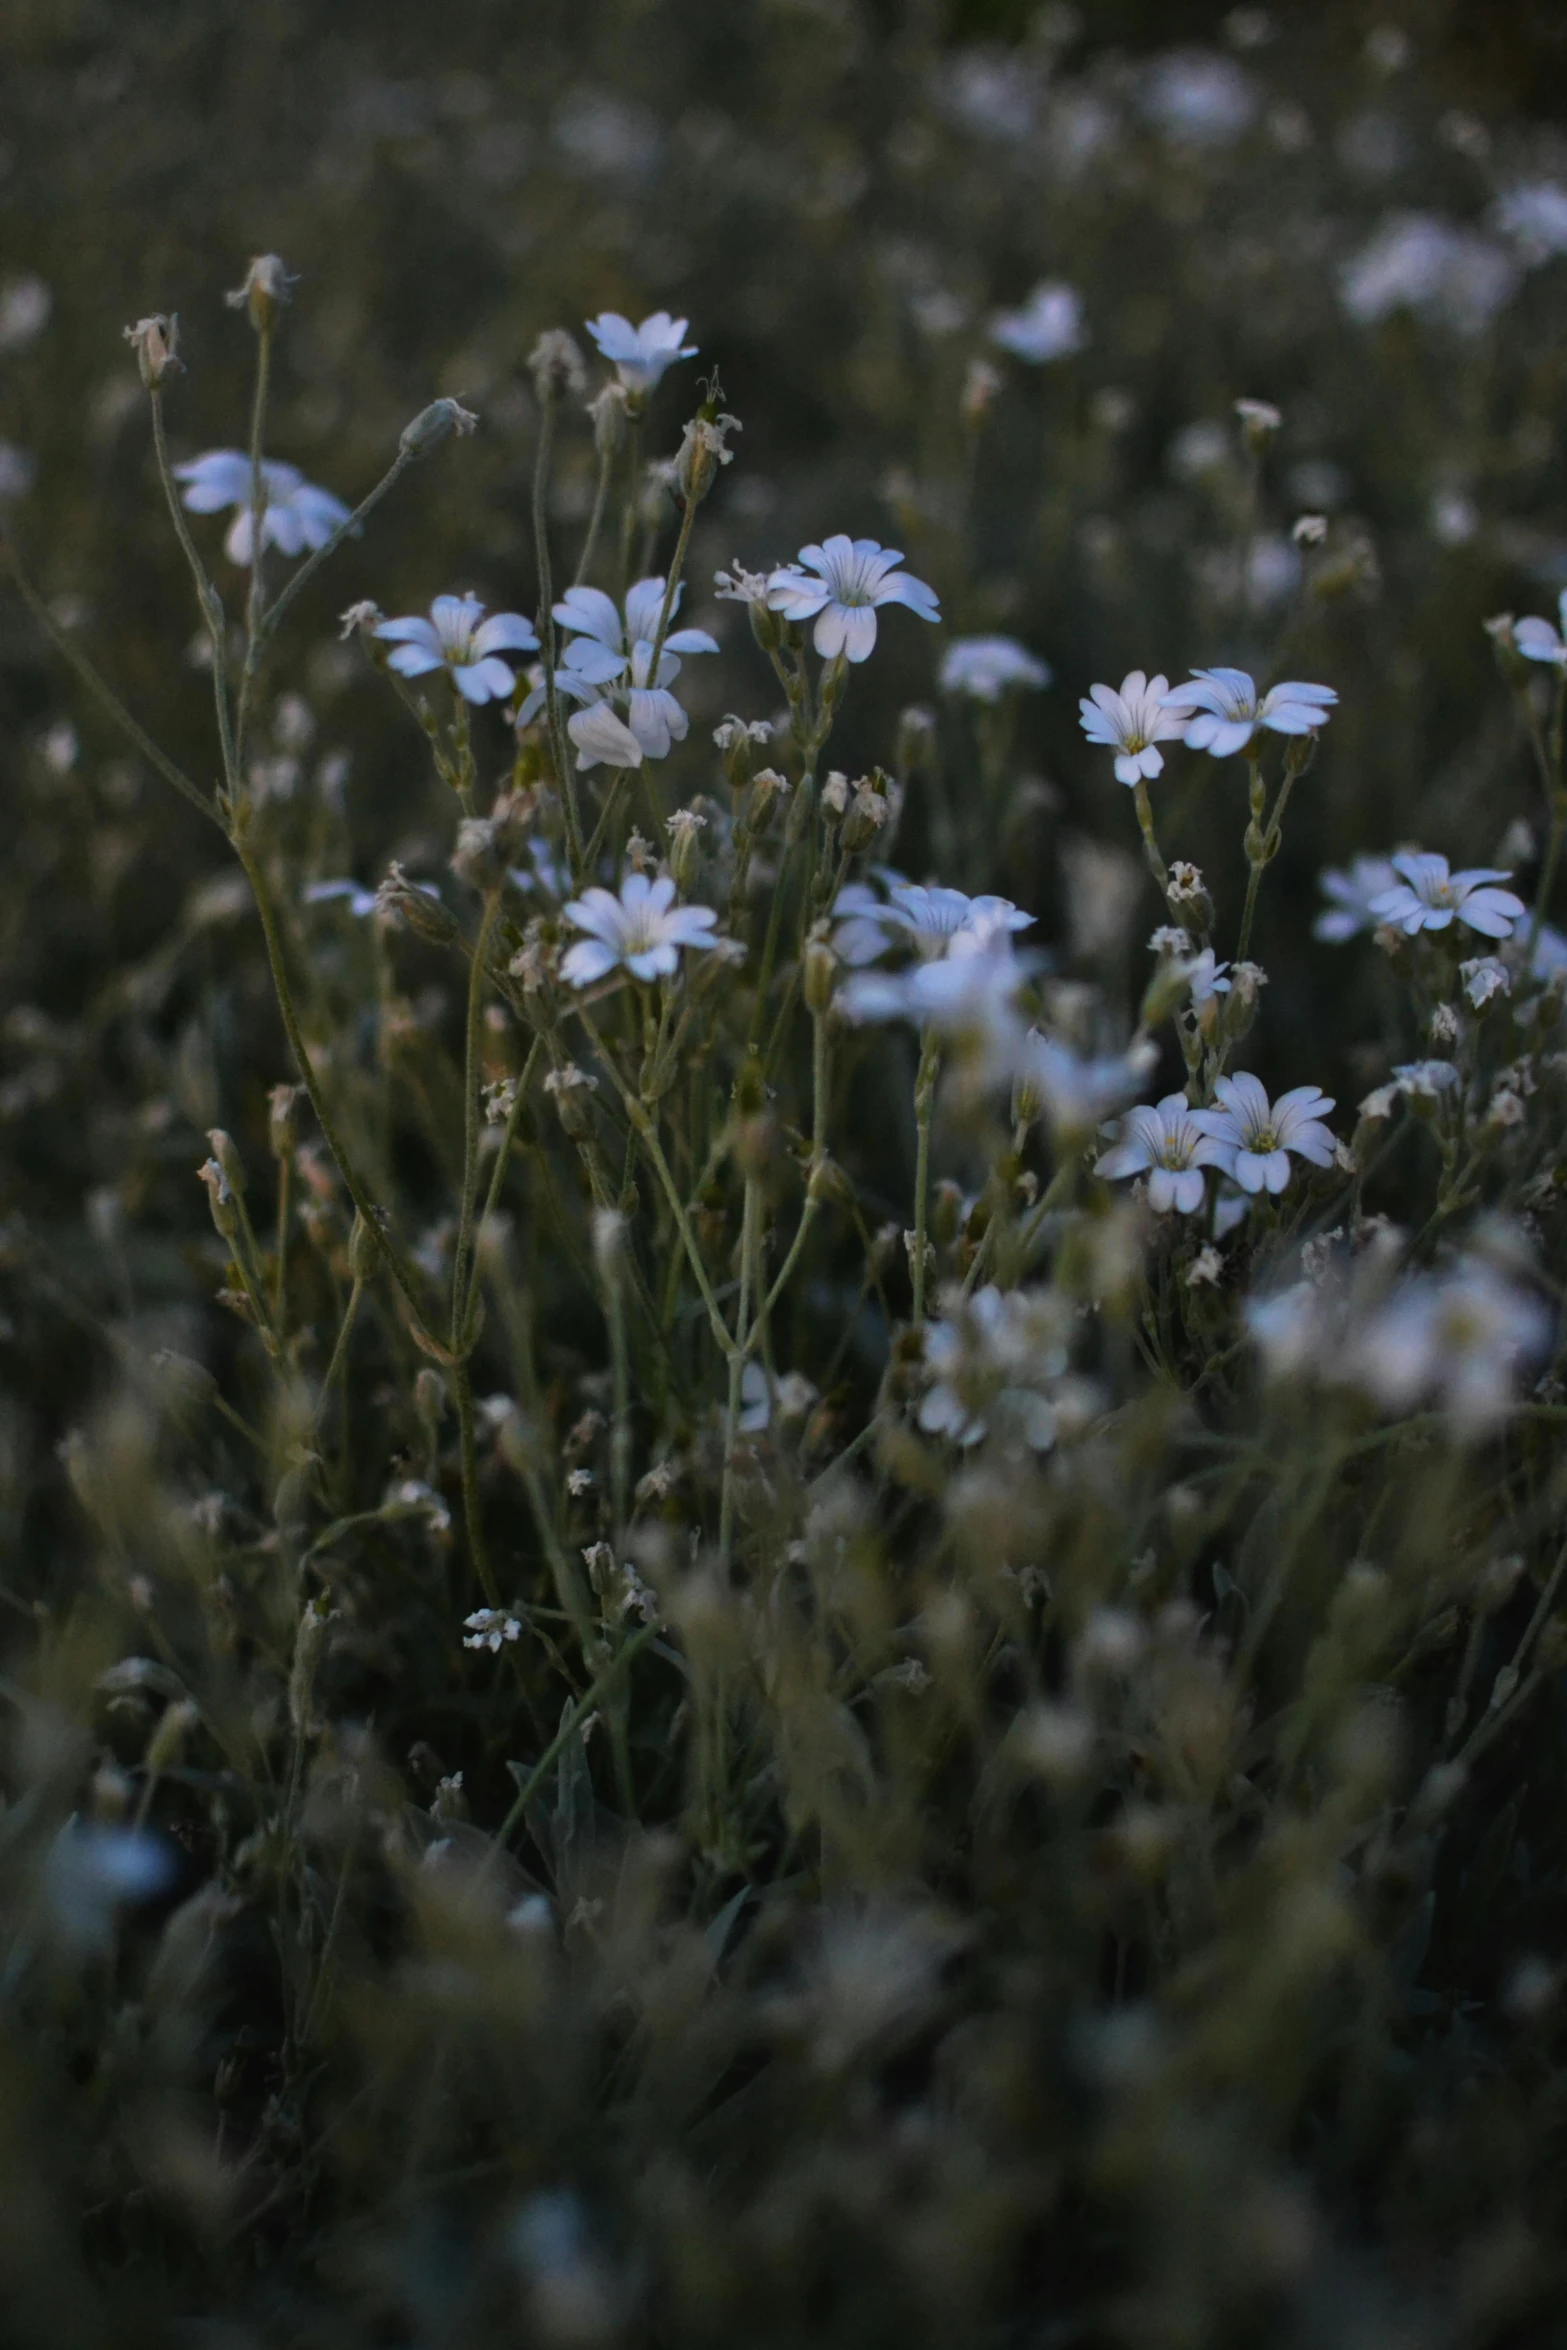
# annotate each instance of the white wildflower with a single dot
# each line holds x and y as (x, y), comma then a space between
(1428, 897)
(1132, 723)
(1229, 711)
(986, 667)
(642, 930)
(1458, 1339)
(1417, 261)
(640, 354)
(994, 1358)
(1165, 1143)
(1048, 326)
(1074, 1092)
(1484, 978)
(1351, 894)
(1256, 1137)
(761, 1394)
(1537, 640)
(458, 638)
(853, 577)
(295, 513)
(934, 921)
(491, 1628)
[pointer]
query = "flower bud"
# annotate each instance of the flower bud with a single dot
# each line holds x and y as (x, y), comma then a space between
(572, 1091)
(821, 971)
(980, 386)
(364, 1249)
(267, 287)
(556, 365)
(228, 1159)
(736, 739)
(220, 1199)
(1259, 421)
(309, 1641)
(1247, 981)
(702, 452)
(685, 853)
(474, 860)
(868, 813)
(608, 411)
(916, 743)
(430, 1400)
(283, 1119)
(417, 905)
(768, 790)
(436, 424)
(155, 342)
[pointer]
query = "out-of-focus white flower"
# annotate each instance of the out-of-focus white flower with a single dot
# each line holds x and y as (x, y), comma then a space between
(640, 354)
(1428, 897)
(1458, 1339)
(993, 1359)
(90, 1872)
(1198, 97)
(1534, 214)
(1049, 325)
(1165, 1143)
(986, 667)
(1256, 1137)
(1425, 1081)
(967, 999)
(1350, 894)
(1537, 640)
(1230, 712)
(1132, 723)
(935, 921)
(295, 513)
(642, 930)
(359, 901)
(1076, 1092)
(792, 1395)
(458, 639)
(16, 470)
(1418, 261)
(852, 578)
(491, 1628)
(25, 305)
(1484, 978)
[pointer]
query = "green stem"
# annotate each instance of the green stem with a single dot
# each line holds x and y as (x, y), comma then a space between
(591, 1697)
(472, 1125)
(748, 1238)
(595, 520)
(340, 1350)
(207, 596)
(924, 1103)
(258, 508)
(555, 716)
(268, 625)
(473, 1515)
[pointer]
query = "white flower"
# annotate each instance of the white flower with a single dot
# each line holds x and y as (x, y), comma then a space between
(602, 738)
(936, 921)
(1352, 893)
(458, 639)
(759, 1392)
(610, 658)
(1230, 712)
(489, 1627)
(1198, 97)
(739, 586)
(1534, 215)
(1537, 640)
(1484, 978)
(990, 1356)
(1131, 723)
(1424, 1081)
(1458, 1338)
(986, 667)
(642, 929)
(1206, 978)
(295, 514)
(853, 577)
(1256, 1137)
(1048, 326)
(1166, 1144)
(1428, 897)
(640, 354)
(359, 900)
(968, 999)
(1418, 261)
(1075, 1093)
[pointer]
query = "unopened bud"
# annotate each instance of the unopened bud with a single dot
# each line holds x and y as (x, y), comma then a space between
(228, 1159)
(557, 365)
(220, 1199)
(416, 904)
(309, 1641)
(916, 744)
(430, 1400)
(768, 790)
(608, 411)
(1259, 421)
(267, 287)
(821, 970)
(685, 852)
(702, 452)
(364, 1245)
(736, 740)
(155, 342)
(474, 860)
(436, 424)
(980, 386)
(868, 813)
(572, 1091)
(283, 1119)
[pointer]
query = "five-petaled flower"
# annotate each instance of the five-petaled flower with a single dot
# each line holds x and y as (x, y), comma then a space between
(1049, 325)
(612, 658)
(1256, 1138)
(1537, 640)
(640, 354)
(1428, 897)
(986, 667)
(458, 639)
(295, 513)
(1132, 723)
(1351, 894)
(1229, 711)
(935, 921)
(1165, 1143)
(642, 930)
(852, 577)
